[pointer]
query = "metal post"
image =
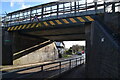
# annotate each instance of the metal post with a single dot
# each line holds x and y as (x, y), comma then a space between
(95, 7)
(50, 10)
(19, 18)
(59, 67)
(104, 6)
(30, 15)
(71, 7)
(78, 6)
(57, 10)
(42, 12)
(76, 61)
(10, 19)
(41, 67)
(80, 60)
(113, 7)
(75, 7)
(86, 5)
(70, 64)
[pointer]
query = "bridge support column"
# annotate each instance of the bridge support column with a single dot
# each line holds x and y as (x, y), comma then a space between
(7, 56)
(88, 49)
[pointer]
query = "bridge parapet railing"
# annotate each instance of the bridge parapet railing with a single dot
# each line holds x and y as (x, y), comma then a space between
(53, 10)
(64, 65)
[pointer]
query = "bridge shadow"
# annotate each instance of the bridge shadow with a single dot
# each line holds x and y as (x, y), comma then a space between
(25, 52)
(75, 73)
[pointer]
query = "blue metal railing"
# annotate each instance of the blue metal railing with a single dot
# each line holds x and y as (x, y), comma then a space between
(53, 10)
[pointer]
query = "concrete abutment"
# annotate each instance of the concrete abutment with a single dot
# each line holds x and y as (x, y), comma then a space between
(18, 49)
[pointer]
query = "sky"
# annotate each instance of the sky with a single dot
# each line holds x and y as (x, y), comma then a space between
(69, 44)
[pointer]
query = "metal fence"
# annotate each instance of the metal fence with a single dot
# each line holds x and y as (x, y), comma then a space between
(64, 64)
(50, 69)
(53, 10)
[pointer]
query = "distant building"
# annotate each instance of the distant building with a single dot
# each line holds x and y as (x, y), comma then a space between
(61, 47)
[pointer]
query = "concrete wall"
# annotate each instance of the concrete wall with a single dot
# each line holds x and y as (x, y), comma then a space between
(46, 53)
(17, 49)
(112, 20)
(103, 54)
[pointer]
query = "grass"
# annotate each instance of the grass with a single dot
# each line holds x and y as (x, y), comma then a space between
(66, 56)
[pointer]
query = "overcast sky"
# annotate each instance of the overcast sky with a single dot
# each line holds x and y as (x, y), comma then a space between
(69, 44)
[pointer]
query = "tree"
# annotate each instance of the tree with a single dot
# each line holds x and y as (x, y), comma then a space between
(69, 51)
(77, 48)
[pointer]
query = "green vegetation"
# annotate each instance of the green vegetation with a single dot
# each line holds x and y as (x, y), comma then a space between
(66, 55)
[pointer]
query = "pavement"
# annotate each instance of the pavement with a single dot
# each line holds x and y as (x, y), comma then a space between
(78, 72)
(34, 73)
(15, 67)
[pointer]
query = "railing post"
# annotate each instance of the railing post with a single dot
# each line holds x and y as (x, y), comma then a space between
(41, 67)
(70, 64)
(57, 10)
(71, 7)
(11, 19)
(59, 67)
(75, 7)
(42, 13)
(80, 60)
(86, 5)
(104, 6)
(95, 7)
(113, 7)
(30, 15)
(83, 60)
(76, 61)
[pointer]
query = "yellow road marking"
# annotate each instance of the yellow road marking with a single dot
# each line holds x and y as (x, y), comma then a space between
(58, 21)
(15, 27)
(20, 27)
(65, 21)
(46, 24)
(89, 18)
(8, 29)
(24, 26)
(81, 19)
(33, 25)
(28, 25)
(39, 24)
(73, 20)
(51, 22)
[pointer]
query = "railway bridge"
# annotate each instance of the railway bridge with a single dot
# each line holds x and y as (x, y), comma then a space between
(68, 21)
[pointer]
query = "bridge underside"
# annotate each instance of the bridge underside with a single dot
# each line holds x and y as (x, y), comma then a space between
(60, 33)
